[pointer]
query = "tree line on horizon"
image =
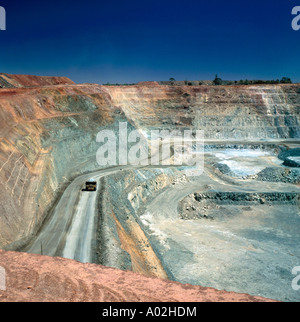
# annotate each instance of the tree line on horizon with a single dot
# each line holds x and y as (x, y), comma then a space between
(284, 80)
(217, 81)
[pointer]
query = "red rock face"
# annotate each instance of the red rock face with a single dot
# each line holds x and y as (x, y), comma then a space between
(35, 278)
(10, 81)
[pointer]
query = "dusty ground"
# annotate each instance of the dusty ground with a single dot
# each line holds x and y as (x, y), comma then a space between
(237, 245)
(35, 278)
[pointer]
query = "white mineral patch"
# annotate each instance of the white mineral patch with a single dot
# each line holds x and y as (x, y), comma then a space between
(245, 162)
(147, 220)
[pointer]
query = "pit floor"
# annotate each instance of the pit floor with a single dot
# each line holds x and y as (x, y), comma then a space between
(246, 250)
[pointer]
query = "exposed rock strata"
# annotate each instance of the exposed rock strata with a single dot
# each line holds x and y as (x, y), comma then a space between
(13, 81)
(48, 133)
(47, 136)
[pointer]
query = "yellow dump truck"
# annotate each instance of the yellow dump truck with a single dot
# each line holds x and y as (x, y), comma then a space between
(90, 185)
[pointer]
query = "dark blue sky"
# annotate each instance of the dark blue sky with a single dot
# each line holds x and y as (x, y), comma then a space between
(137, 40)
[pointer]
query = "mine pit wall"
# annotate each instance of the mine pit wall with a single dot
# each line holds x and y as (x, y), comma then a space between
(47, 137)
(16, 81)
(47, 134)
(122, 242)
(223, 112)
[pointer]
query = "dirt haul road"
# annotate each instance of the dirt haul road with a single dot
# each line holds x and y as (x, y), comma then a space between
(70, 229)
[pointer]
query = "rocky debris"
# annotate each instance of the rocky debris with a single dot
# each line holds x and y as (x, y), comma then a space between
(285, 153)
(293, 162)
(243, 198)
(35, 278)
(212, 205)
(225, 169)
(278, 174)
(247, 208)
(190, 209)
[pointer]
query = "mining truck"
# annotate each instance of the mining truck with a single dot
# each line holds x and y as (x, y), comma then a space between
(90, 185)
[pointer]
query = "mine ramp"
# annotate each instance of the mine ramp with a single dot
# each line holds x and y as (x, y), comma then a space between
(90, 186)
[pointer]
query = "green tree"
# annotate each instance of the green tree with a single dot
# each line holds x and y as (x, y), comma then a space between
(217, 80)
(172, 80)
(286, 80)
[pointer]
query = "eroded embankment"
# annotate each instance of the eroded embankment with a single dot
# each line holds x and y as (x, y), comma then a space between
(123, 243)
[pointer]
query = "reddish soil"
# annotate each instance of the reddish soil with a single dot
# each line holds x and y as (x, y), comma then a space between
(35, 278)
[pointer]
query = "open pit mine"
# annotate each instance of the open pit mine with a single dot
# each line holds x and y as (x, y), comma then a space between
(229, 232)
